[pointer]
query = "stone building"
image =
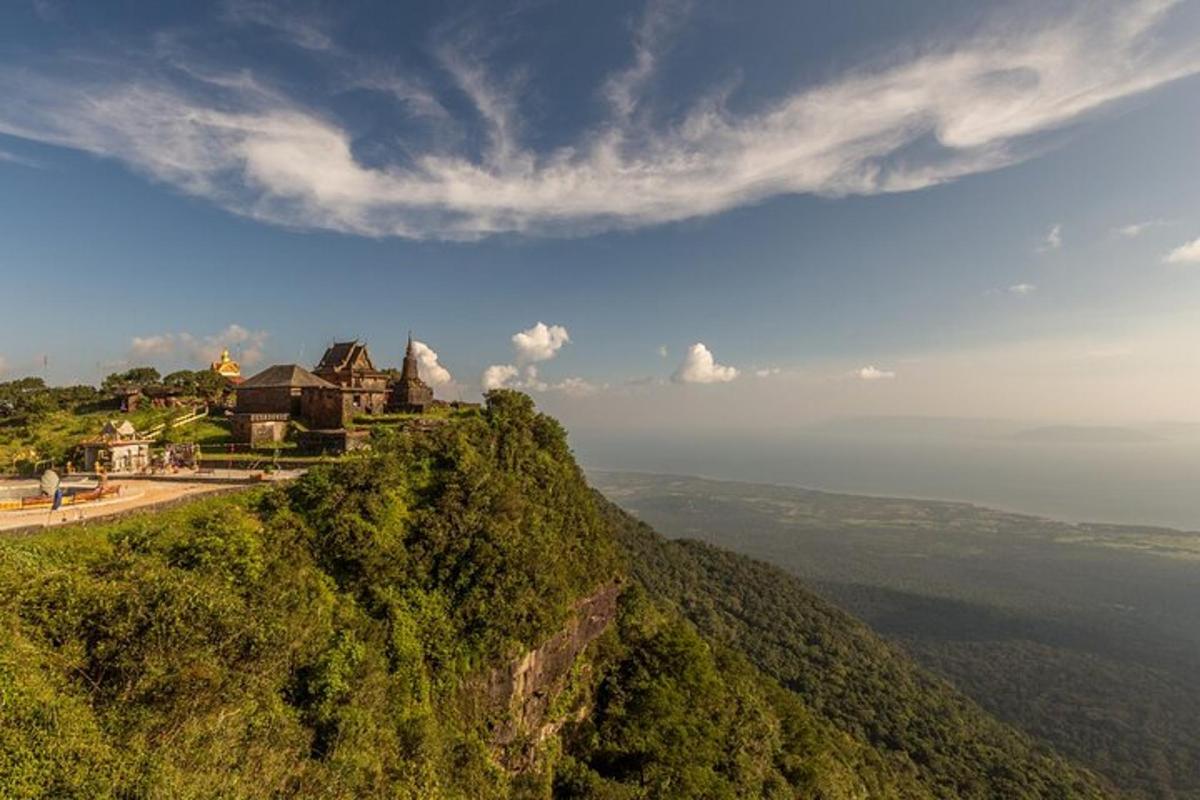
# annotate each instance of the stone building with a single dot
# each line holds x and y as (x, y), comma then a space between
(353, 387)
(266, 401)
(257, 430)
(118, 449)
(408, 392)
(348, 365)
(276, 390)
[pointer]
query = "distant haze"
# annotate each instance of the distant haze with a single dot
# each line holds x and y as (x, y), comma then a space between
(992, 463)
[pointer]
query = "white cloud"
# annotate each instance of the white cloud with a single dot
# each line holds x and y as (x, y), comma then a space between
(873, 373)
(1052, 240)
(430, 370)
(157, 345)
(1185, 254)
(304, 31)
(497, 376)
(13, 158)
(1138, 228)
(507, 376)
(576, 387)
(662, 351)
(200, 350)
(952, 109)
(767, 372)
(540, 343)
(1022, 288)
(699, 366)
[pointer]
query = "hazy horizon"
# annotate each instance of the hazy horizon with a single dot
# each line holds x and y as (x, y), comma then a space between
(1151, 483)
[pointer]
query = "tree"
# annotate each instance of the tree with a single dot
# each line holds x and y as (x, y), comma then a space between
(140, 377)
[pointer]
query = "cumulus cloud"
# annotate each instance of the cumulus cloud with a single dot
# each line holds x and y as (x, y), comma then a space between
(507, 376)
(1185, 254)
(699, 366)
(1052, 240)
(497, 376)
(873, 373)
(937, 112)
(428, 367)
(1022, 288)
(199, 350)
(767, 372)
(540, 343)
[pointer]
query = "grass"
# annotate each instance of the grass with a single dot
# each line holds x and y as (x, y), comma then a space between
(206, 430)
(53, 437)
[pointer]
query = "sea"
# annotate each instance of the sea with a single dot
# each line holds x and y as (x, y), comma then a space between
(1129, 482)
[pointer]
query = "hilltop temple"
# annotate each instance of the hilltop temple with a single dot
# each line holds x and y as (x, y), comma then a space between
(345, 384)
(227, 368)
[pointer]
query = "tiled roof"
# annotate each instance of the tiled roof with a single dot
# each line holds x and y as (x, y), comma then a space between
(283, 375)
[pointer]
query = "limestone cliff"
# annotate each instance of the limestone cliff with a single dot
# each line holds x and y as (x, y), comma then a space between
(520, 693)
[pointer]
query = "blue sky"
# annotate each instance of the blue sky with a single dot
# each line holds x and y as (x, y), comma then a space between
(866, 207)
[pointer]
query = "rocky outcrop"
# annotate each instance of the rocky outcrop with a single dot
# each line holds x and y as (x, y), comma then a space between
(522, 692)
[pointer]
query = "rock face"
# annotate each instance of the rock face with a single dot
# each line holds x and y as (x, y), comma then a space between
(521, 692)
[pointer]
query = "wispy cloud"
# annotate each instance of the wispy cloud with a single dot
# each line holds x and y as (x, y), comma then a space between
(300, 26)
(1052, 239)
(972, 106)
(13, 158)
(1185, 254)
(1022, 288)
(874, 373)
(1138, 228)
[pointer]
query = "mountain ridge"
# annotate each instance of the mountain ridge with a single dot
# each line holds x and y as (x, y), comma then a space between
(334, 638)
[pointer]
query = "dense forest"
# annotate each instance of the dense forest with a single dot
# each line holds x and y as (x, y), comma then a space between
(333, 637)
(1086, 636)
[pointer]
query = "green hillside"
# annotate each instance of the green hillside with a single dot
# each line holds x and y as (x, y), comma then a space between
(420, 622)
(844, 672)
(1086, 636)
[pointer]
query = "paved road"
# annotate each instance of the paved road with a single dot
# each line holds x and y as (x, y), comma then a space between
(135, 493)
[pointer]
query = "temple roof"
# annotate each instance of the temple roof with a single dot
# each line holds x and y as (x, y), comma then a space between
(283, 375)
(226, 366)
(345, 355)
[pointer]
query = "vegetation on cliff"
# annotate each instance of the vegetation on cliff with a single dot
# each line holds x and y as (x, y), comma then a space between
(845, 673)
(330, 638)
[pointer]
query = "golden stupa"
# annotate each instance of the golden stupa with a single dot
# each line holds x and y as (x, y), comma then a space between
(226, 367)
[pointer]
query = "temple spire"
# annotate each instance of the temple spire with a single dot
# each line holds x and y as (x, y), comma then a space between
(409, 370)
